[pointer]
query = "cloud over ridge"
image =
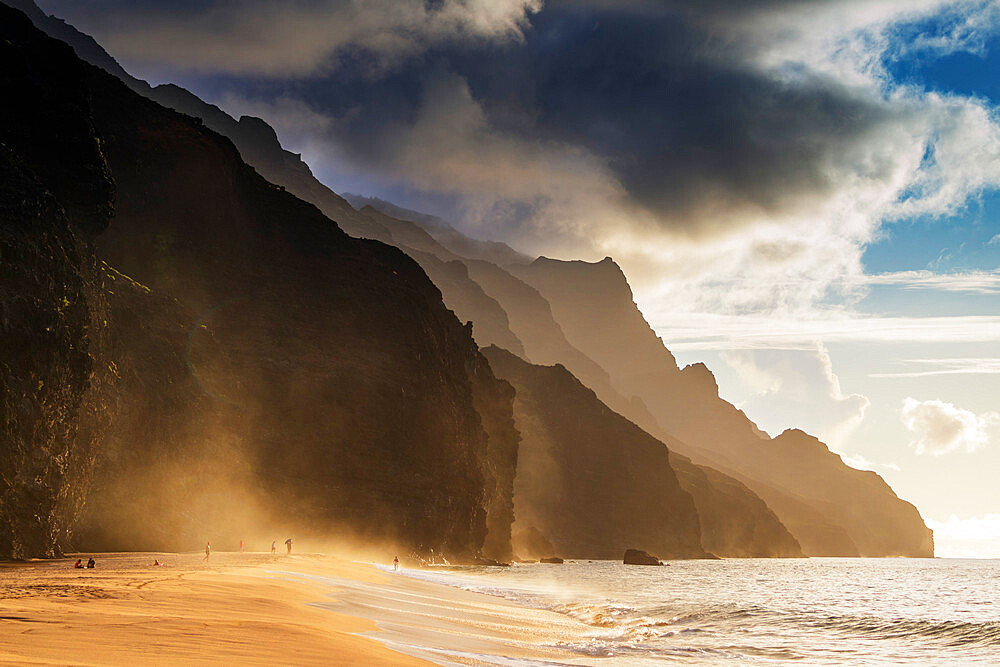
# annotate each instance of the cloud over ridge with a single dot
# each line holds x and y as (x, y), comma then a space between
(727, 145)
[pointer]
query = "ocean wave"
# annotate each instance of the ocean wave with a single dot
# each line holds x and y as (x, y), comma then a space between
(701, 619)
(951, 633)
(621, 624)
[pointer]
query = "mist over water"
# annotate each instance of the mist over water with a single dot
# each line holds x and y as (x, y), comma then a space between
(809, 611)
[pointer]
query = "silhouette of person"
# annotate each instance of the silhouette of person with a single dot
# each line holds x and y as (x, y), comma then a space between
(395, 563)
(208, 550)
(91, 564)
(288, 544)
(273, 548)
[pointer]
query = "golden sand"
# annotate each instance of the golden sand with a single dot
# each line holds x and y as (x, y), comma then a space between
(255, 608)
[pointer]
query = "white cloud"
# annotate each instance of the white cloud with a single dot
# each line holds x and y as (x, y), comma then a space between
(942, 428)
(949, 366)
(928, 158)
(706, 331)
(978, 282)
(969, 24)
(994, 241)
(973, 537)
(797, 389)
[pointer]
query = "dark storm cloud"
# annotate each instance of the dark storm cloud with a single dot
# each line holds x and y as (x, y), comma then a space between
(662, 102)
(680, 127)
(675, 113)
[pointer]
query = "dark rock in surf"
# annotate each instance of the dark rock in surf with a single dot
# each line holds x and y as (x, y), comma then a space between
(639, 557)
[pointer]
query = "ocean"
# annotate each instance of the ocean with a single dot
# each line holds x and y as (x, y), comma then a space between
(816, 611)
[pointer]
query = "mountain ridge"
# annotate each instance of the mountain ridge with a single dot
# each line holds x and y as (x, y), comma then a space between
(594, 304)
(352, 389)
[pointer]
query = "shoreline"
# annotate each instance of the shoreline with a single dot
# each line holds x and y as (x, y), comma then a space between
(257, 608)
(185, 612)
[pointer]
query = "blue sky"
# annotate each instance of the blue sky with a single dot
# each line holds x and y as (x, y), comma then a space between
(958, 242)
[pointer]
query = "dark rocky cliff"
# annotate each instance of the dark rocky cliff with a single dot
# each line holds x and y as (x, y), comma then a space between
(589, 480)
(51, 307)
(357, 394)
(824, 503)
(469, 302)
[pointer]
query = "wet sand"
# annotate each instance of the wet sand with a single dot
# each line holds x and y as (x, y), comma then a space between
(257, 608)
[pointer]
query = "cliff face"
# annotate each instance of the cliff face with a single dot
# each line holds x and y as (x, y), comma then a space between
(173, 467)
(589, 480)
(468, 301)
(495, 252)
(878, 522)
(51, 307)
(827, 505)
(735, 522)
(352, 393)
(593, 304)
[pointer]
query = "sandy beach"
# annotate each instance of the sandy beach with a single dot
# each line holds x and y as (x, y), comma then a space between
(256, 608)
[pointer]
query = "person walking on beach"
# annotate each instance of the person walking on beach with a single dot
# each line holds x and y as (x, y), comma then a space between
(208, 550)
(273, 542)
(288, 544)
(241, 546)
(395, 564)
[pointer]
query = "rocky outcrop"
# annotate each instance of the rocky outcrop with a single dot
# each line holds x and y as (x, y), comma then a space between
(589, 480)
(359, 402)
(820, 500)
(639, 557)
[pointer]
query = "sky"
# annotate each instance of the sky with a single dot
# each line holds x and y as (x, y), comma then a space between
(805, 195)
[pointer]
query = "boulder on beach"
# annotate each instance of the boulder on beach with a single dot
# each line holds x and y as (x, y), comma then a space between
(553, 560)
(639, 557)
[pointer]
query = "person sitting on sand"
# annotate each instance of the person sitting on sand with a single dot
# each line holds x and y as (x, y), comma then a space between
(79, 564)
(395, 563)
(288, 544)
(208, 550)
(156, 563)
(91, 564)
